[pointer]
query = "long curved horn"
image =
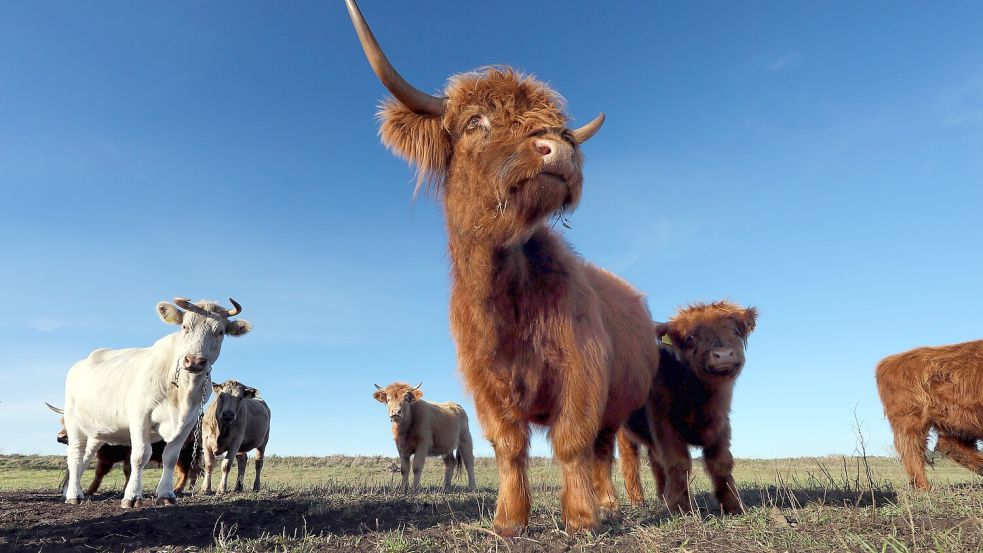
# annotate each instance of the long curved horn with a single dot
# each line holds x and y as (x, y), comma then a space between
(236, 308)
(55, 409)
(418, 386)
(377, 387)
(584, 133)
(183, 303)
(415, 99)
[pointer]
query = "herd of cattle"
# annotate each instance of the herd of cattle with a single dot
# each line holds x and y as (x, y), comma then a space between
(543, 338)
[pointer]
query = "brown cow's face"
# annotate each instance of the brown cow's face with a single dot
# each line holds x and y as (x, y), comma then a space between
(228, 397)
(502, 152)
(711, 339)
(397, 397)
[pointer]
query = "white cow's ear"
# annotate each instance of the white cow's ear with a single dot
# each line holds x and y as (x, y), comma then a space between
(238, 327)
(169, 313)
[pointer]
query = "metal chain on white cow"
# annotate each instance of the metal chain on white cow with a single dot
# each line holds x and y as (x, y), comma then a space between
(201, 416)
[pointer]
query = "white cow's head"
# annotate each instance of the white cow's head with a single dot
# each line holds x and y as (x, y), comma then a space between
(204, 325)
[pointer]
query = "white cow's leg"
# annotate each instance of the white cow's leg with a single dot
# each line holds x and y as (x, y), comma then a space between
(140, 442)
(241, 460)
(209, 462)
(227, 466)
(76, 454)
(165, 488)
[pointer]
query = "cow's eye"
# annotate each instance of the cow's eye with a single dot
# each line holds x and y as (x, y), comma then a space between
(473, 122)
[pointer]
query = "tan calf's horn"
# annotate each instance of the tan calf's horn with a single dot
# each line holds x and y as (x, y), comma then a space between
(584, 133)
(377, 387)
(418, 386)
(411, 97)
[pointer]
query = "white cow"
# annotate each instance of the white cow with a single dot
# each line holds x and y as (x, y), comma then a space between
(138, 396)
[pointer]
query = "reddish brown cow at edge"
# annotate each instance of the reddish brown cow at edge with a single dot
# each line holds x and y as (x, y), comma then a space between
(690, 405)
(542, 336)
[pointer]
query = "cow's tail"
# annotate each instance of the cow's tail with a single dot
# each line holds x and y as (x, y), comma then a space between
(459, 461)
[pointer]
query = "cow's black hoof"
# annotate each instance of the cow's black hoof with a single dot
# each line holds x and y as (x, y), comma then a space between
(166, 501)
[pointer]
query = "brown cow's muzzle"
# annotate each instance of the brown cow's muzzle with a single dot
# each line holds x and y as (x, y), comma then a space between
(558, 159)
(724, 361)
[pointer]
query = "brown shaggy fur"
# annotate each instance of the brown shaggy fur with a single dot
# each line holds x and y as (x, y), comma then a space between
(690, 405)
(543, 337)
(938, 388)
(422, 429)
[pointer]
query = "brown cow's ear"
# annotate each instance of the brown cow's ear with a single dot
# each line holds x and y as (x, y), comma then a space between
(238, 327)
(662, 331)
(748, 320)
(170, 314)
(248, 392)
(419, 138)
(380, 396)
(217, 388)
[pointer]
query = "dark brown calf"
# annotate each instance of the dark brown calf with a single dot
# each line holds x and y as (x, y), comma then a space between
(937, 388)
(690, 405)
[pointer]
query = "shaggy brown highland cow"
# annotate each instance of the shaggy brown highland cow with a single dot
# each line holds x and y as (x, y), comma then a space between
(937, 388)
(690, 405)
(542, 336)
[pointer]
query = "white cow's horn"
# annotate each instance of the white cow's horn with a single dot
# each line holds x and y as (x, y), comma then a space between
(236, 308)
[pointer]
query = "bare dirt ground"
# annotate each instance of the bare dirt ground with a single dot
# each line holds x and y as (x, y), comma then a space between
(360, 510)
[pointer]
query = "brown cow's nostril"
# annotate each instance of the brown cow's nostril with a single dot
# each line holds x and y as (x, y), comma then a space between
(543, 148)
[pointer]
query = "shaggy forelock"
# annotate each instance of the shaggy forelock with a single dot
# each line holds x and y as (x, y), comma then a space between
(397, 390)
(688, 319)
(233, 387)
(523, 99)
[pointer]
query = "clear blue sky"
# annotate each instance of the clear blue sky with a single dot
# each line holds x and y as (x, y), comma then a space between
(821, 161)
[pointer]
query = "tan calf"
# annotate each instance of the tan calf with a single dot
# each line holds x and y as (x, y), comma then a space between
(423, 429)
(235, 423)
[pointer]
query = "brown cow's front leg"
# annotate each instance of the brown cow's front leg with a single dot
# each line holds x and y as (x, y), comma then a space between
(573, 438)
(720, 466)
(510, 440)
(675, 462)
(910, 436)
(962, 451)
(630, 468)
(603, 459)
(103, 467)
(658, 472)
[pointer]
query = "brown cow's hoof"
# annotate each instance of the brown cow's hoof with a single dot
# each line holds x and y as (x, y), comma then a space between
(131, 503)
(166, 501)
(74, 500)
(508, 531)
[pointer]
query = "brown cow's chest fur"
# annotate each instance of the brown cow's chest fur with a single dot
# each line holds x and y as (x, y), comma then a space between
(509, 311)
(697, 409)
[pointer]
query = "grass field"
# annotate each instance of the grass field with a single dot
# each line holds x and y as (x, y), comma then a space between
(350, 503)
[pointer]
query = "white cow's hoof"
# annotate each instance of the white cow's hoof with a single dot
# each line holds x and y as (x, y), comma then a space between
(131, 503)
(166, 501)
(74, 500)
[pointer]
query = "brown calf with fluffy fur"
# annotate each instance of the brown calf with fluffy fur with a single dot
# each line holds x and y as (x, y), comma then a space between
(690, 405)
(543, 337)
(422, 429)
(938, 388)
